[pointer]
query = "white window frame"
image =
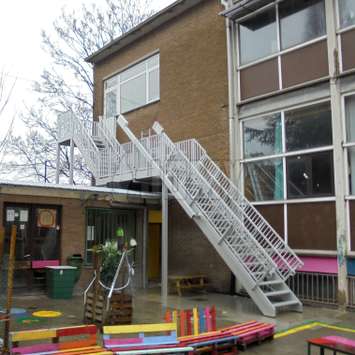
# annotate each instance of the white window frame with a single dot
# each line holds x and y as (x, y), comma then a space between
(283, 155)
(147, 71)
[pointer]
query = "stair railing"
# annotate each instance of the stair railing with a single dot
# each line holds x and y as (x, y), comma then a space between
(284, 257)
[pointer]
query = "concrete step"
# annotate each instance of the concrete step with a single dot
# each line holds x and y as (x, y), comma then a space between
(277, 293)
(285, 303)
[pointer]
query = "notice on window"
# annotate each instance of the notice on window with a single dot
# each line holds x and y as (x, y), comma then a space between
(10, 215)
(24, 216)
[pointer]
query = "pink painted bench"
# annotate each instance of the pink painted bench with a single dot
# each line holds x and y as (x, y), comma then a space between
(336, 344)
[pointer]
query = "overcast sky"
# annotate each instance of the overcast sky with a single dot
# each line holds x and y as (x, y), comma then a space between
(21, 56)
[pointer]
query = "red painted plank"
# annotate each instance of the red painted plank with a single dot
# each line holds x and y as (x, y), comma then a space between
(80, 330)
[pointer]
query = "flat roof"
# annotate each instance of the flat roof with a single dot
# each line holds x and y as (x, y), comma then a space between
(145, 27)
(64, 190)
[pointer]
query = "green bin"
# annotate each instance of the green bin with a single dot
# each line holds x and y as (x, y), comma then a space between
(77, 261)
(60, 281)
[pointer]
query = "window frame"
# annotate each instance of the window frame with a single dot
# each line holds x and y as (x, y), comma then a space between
(283, 155)
(280, 51)
(117, 87)
(338, 24)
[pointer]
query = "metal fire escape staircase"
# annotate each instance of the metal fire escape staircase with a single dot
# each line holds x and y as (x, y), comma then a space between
(258, 257)
(254, 252)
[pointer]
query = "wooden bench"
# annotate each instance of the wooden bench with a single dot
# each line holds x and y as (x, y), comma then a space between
(336, 344)
(187, 282)
(143, 339)
(77, 340)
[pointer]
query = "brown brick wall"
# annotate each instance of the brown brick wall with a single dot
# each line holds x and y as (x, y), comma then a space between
(193, 79)
(191, 253)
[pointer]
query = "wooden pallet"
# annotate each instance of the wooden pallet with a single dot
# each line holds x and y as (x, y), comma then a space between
(120, 310)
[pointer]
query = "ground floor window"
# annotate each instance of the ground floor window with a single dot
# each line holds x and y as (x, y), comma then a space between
(38, 231)
(102, 224)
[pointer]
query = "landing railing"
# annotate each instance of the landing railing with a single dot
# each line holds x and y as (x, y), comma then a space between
(283, 256)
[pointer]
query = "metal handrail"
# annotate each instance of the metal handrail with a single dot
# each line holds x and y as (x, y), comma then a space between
(270, 239)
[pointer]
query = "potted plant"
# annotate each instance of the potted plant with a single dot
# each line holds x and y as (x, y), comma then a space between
(111, 301)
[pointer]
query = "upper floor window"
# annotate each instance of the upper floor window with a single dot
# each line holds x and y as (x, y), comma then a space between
(135, 87)
(258, 36)
(299, 21)
(346, 13)
(288, 155)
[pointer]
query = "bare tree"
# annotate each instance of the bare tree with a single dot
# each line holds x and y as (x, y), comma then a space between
(6, 89)
(67, 83)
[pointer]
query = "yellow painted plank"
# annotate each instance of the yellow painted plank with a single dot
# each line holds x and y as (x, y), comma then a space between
(34, 334)
(139, 328)
(195, 318)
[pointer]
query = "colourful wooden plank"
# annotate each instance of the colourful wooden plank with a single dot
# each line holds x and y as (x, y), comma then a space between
(119, 341)
(202, 323)
(168, 317)
(195, 321)
(79, 330)
(213, 317)
(82, 343)
(33, 335)
(189, 324)
(139, 328)
(175, 318)
(182, 323)
(35, 348)
(208, 319)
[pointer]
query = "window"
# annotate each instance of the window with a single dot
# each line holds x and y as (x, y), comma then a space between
(258, 36)
(133, 88)
(308, 127)
(263, 136)
(289, 135)
(350, 138)
(310, 175)
(346, 13)
(301, 21)
(264, 180)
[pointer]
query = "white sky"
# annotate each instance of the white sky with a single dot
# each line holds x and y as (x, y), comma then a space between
(21, 56)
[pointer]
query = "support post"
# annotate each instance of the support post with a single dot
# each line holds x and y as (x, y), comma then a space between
(2, 242)
(10, 278)
(57, 170)
(71, 163)
(145, 247)
(340, 180)
(164, 245)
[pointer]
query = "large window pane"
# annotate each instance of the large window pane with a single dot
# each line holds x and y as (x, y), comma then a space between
(346, 13)
(154, 88)
(131, 72)
(301, 21)
(111, 104)
(350, 118)
(258, 36)
(308, 127)
(351, 159)
(133, 93)
(263, 180)
(262, 136)
(310, 175)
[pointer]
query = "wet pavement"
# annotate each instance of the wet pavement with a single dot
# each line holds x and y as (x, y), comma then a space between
(148, 308)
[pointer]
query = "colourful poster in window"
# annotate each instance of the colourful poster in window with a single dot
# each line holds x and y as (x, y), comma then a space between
(46, 218)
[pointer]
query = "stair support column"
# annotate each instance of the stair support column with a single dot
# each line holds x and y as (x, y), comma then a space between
(57, 171)
(71, 163)
(164, 244)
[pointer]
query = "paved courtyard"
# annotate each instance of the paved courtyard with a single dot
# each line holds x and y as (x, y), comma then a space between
(230, 309)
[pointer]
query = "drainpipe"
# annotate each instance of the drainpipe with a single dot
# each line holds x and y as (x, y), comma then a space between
(232, 105)
(234, 127)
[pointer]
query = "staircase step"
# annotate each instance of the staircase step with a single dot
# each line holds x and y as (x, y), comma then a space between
(277, 293)
(285, 303)
(271, 282)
